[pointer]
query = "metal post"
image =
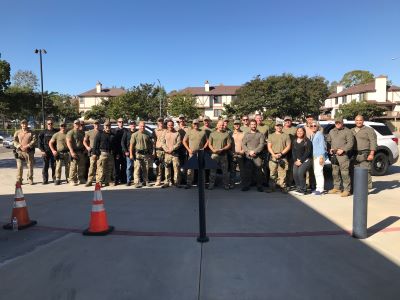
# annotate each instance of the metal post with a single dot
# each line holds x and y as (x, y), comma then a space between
(202, 238)
(41, 81)
(360, 203)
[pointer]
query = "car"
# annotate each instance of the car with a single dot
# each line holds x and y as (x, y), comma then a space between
(387, 152)
(1, 138)
(8, 142)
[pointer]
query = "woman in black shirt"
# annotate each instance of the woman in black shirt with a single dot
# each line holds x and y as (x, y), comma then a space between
(302, 157)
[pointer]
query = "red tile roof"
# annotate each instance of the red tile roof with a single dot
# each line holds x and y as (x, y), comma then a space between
(357, 89)
(106, 92)
(214, 90)
(394, 88)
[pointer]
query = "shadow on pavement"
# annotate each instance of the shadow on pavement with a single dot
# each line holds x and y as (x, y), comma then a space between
(382, 225)
(384, 185)
(291, 265)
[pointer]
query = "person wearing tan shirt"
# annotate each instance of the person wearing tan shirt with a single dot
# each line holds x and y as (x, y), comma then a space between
(159, 154)
(24, 143)
(171, 142)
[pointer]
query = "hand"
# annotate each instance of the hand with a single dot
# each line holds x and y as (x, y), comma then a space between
(94, 156)
(131, 157)
(331, 151)
(297, 163)
(54, 152)
(251, 153)
(321, 161)
(73, 154)
(339, 152)
(190, 152)
(127, 154)
(370, 157)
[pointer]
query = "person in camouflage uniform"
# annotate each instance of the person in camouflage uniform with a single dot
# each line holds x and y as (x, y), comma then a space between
(60, 152)
(365, 146)
(159, 154)
(77, 152)
(171, 142)
(24, 143)
(237, 153)
(219, 143)
(88, 142)
(141, 149)
(341, 142)
(289, 129)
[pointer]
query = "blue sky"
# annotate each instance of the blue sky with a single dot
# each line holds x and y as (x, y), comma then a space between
(184, 43)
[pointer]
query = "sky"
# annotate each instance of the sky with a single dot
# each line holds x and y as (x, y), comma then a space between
(183, 43)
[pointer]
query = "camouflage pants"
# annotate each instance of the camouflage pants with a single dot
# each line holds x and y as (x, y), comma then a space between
(142, 162)
(340, 173)
(361, 161)
(160, 168)
(278, 172)
(62, 159)
(105, 168)
(222, 162)
(92, 168)
(30, 161)
(172, 161)
(237, 162)
(77, 168)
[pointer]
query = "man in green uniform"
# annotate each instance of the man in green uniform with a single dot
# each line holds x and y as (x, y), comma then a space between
(341, 142)
(60, 152)
(264, 155)
(194, 140)
(159, 154)
(24, 143)
(88, 142)
(78, 158)
(278, 146)
(207, 126)
(104, 148)
(245, 124)
(141, 149)
(289, 129)
(366, 143)
(219, 143)
(171, 143)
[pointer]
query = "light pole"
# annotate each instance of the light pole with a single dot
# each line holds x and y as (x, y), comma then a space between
(40, 51)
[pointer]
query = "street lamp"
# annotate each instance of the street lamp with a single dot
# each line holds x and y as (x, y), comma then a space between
(40, 51)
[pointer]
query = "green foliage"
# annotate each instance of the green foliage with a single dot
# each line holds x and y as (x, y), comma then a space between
(181, 103)
(332, 87)
(367, 110)
(25, 80)
(356, 77)
(141, 102)
(62, 107)
(97, 112)
(5, 70)
(277, 96)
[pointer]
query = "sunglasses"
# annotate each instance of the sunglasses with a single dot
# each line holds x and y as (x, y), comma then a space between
(245, 119)
(62, 125)
(119, 121)
(313, 125)
(49, 123)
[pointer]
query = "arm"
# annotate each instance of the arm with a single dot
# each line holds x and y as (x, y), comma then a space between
(186, 144)
(124, 142)
(132, 147)
(228, 144)
(307, 151)
(244, 143)
(349, 142)
(86, 142)
(69, 145)
(178, 142)
(41, 142)
(51, 145)
(16, 143)
(210, 144)
(33, 141)
(372, 144)
(288, 145)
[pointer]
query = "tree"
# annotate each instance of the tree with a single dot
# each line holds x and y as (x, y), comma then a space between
(332, 87)
(62, 107)
(97, 112)
(183, 103)
(356, 77)
(25, 80)
(277, 96)
(367, 110)
(4, 75)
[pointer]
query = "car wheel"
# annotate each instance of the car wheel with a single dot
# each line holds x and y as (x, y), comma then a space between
(380, 164)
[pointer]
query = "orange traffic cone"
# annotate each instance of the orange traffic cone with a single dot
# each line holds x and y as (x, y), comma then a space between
(98, 218)
(20, 210)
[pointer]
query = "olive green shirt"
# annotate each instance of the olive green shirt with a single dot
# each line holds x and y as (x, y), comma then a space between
(263, 128)
(245, 129)
(341, 139)
(61, 141)
(195, 138)
(279, 141)
(220, 139)
(207, 130)
(365, 138)
(291, 131)
(141, 141)
(91, 134)
(76, 137)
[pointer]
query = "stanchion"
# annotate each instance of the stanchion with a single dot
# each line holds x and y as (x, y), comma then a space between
(360, 203)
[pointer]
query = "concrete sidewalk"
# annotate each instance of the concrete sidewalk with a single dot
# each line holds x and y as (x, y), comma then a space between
(262, 246)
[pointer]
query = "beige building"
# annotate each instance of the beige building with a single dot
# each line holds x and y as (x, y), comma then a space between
(211, 99)
(377, 91)
(96, 96)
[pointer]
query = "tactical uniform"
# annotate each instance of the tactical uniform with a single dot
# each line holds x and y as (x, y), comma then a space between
(171, 142)
(142, 147)
(91, 134)
(341, 139)
(196, 139)
(365, 142)
(104, 147)
(253, 142)
(62, 157)
(25, 138)
(219, 140)
(48, 158)
(119, 156)
(183, 155)
(278, 168)
(158, 136)
(77, 165)
(291, 131)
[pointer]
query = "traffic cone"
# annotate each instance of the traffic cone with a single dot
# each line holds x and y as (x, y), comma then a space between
(20, 211)
(98, 218)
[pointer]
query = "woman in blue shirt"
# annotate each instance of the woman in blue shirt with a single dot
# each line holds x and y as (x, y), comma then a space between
(319, 156)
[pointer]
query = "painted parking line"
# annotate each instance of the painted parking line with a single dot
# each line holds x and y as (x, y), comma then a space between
(222, 234)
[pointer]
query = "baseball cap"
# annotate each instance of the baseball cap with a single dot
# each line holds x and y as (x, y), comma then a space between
(24, 121)
(236, 122)
(287, 118)
(62, 123)
(132, 122)
(96, 122)
(279, 123)
(206, 118)
(195, 121)
(181, 116)
(77, 121)
(338, 119)
(225, 119)
(160, 120)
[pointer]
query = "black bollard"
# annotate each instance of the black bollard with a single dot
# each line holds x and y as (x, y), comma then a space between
(202, 238)
(360, 203)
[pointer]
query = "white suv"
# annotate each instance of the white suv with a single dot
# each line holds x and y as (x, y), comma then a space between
(387, 152)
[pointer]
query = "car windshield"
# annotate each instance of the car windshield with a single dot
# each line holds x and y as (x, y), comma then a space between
(382, 129)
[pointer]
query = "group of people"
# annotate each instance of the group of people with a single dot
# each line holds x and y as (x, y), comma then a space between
(285, 158)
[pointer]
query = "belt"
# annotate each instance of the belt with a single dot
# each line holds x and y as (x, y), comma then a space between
(64, 151)
(161, 149)
(104, 152)
(362, 151)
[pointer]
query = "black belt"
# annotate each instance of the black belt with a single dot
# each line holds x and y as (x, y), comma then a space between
(363, 151)
(161, 149)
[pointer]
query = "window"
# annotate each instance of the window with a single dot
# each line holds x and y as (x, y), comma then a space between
(344, 99)
(81, 101)
(336, 101)
(217, 113)
(217, 99)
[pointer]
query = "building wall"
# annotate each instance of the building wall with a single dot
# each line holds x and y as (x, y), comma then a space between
(85, 103)
(213, 107)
